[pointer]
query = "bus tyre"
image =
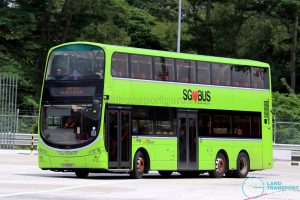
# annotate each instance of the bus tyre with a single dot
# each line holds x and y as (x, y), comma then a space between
(165, 173)
(138, 166)
(81, 173)
(220, 166)
(242, 165)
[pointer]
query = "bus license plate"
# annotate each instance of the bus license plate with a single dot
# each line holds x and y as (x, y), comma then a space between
(68, 165)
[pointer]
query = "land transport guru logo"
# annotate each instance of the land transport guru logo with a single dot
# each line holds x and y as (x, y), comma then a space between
(196, 95)
(254, 188)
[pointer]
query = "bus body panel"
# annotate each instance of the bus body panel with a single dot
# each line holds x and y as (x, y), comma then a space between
(208, 149)
(162, 152)
(94, 157)
(150, 94)
(268, 146)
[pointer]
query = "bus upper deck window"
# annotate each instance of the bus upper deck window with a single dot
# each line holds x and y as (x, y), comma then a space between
(119, 67)
(185, 70)
(220, 74)
(240, 76)
(73, 61)
(141, 67)
(203, 72)
(164, 69)
(259, 78)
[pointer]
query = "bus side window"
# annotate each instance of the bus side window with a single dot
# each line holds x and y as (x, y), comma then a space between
(163, 121)
(259, 78)
(203, 72)
(204, 125)
(220, 74)
(186, 70)
(142, 120)
(141, 67)
(255, 126)
(221, 125)
(241, 125)
(240, 76)
(119, 67)
(164, 69)
(266, 78)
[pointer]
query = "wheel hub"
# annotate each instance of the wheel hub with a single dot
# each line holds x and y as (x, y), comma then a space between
(243, 165)
(220, 167)
(140, 165)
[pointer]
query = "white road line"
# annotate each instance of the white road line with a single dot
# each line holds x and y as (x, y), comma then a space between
(61, 189)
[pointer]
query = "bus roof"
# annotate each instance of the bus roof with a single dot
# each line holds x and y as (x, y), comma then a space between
(170, 54)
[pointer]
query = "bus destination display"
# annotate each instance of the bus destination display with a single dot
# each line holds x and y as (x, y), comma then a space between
(72, 91)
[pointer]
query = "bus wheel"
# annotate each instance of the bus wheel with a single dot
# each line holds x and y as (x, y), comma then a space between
(138, 166)
(220, 166)
(243, 165)
(165, 173)
(81, 173)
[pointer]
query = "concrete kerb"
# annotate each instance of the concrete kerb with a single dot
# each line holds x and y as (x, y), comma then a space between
(15, 152)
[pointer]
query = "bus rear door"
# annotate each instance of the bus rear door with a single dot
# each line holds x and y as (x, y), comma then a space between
(187, 140)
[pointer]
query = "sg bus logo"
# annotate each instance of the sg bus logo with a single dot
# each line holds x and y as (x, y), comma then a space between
(196, 95)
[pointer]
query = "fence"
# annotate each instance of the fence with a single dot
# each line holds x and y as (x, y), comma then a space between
(286, 139)
(25, 124)
(19, 139)
(8, 110)
(286, 132)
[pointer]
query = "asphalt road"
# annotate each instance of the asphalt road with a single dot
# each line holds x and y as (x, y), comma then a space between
(20, 178)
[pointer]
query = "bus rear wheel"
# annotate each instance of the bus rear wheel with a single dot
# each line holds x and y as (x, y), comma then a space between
(242, 165)
(220, 166)
(81, 173)
(138, 166)
(165, 173)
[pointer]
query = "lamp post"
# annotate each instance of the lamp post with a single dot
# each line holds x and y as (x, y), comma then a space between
(179, 27)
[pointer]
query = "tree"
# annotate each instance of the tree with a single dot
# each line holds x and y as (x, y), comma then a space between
(288, 12)
(260, 30)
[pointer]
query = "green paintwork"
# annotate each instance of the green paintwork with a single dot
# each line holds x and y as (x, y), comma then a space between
(163, 156)
(163, 151)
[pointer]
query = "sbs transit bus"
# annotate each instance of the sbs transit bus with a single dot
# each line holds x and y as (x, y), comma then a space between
(106, 108)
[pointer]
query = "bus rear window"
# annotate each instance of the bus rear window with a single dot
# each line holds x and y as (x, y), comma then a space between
(76, 62)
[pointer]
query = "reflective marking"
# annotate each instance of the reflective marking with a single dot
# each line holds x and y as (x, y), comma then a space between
(190, 84)
(153, 137)
(61, 189)
(231, 139)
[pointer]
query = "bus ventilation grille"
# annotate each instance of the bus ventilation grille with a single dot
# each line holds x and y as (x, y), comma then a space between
(266, 111)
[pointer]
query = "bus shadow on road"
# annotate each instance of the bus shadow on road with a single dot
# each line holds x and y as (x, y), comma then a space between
(117, 176)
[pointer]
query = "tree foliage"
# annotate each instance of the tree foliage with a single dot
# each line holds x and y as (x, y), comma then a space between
(260, 30)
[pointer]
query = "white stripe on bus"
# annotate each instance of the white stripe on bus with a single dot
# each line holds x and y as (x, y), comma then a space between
(190, 84)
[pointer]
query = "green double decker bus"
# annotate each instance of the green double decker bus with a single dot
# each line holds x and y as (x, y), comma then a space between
(108, 108)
